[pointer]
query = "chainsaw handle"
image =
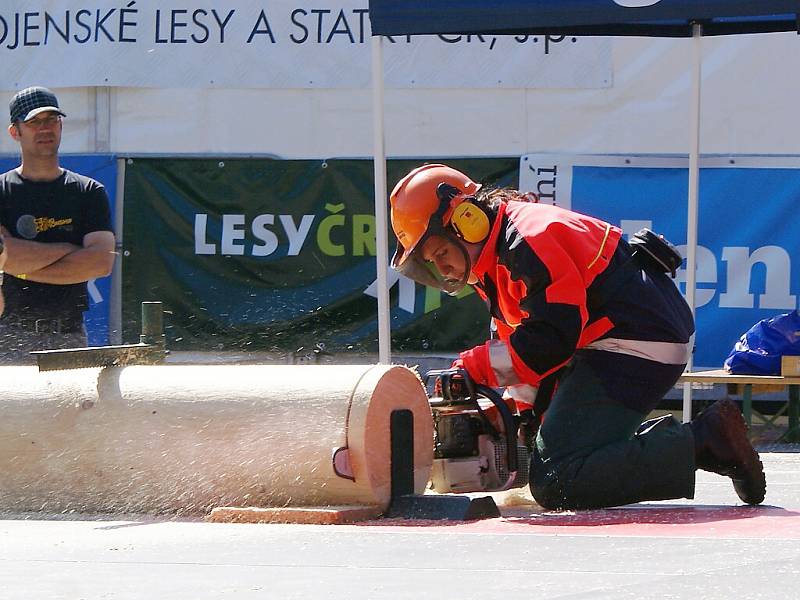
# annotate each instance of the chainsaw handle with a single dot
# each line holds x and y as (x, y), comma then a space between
(444, 381)
(446, 376)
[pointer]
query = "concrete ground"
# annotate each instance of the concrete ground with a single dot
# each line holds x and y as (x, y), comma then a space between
(711, 547)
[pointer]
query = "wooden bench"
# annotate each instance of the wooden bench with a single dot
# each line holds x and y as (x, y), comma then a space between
(791, 408)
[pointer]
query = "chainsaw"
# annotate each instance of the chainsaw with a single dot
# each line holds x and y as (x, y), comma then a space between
(477, 441)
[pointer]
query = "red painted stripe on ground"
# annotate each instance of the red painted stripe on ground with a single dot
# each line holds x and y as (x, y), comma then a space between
(729, 522)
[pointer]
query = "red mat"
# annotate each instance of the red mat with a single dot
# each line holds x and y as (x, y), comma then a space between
(718, 522)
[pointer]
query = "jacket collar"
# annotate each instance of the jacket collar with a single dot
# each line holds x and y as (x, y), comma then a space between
(487, 257)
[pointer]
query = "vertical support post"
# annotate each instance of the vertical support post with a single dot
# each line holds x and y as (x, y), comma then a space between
(381, 220)
(115, 304)
(694, 186)
(152, 324)
(793, 435)
(747, 404)
(101, 99)
(401, 428)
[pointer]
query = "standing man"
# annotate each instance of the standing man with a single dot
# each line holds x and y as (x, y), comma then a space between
(56, 227)
(573, 300)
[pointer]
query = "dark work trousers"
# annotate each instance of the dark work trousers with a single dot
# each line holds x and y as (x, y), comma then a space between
(593, 449)
(16, 344)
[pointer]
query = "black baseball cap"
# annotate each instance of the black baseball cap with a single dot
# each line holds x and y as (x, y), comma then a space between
(31, 101)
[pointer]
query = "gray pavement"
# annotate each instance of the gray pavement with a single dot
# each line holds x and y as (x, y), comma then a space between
(711, 547)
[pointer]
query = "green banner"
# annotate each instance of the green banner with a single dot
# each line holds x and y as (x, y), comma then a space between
(278, 255)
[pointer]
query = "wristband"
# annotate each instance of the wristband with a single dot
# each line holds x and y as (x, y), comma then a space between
(22, 276)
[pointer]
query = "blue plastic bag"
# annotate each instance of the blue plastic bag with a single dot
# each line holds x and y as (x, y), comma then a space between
(759, 350)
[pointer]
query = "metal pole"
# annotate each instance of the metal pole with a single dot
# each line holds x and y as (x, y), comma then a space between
(101, 96)
(152, 324)
(381, 220)
(694, 186)
(115, 304)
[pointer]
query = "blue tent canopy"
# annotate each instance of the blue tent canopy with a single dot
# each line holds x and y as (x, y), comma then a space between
(663, 18)
(651, 18)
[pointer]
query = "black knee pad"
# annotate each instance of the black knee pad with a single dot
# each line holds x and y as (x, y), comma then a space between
(545, 484)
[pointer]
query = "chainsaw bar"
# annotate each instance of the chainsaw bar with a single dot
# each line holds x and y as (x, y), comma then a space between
(101, 356)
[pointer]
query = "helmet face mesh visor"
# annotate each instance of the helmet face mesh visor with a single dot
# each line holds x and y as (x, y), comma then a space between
(425, 272)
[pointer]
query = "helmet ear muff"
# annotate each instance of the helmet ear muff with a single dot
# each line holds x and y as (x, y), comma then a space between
(469, 221)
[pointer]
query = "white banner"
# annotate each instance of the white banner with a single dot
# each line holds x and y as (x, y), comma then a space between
(268, 44)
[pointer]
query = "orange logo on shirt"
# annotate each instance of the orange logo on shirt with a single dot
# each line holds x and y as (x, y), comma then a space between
(45, 223)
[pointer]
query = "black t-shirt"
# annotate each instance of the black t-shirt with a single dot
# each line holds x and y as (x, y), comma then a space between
(62, 210)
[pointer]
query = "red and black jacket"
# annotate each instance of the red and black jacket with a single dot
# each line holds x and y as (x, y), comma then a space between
(557, 281)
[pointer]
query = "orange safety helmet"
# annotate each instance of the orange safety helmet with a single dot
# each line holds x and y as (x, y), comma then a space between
(417, 210)
(414, 201)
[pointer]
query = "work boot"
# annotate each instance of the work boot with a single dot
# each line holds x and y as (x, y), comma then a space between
(721, 446)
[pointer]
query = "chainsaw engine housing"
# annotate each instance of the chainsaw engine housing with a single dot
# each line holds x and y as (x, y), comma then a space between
(476, 442)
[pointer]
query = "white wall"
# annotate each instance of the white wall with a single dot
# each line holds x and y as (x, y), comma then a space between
(750, 96)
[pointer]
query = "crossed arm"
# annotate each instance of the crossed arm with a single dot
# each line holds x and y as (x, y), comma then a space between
(60, 263)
